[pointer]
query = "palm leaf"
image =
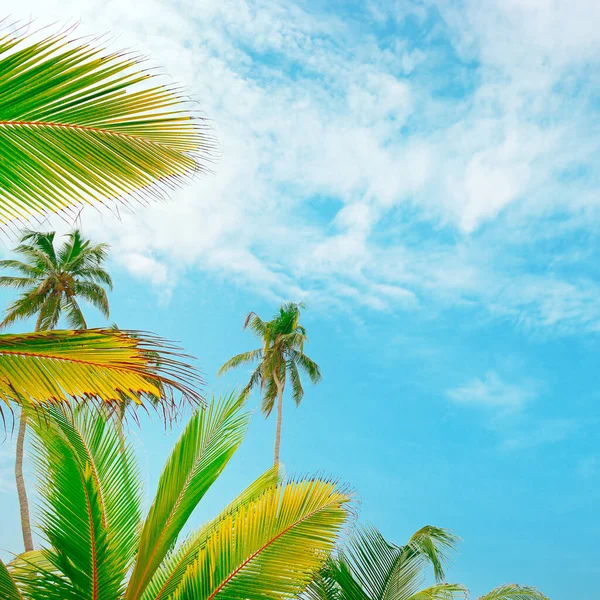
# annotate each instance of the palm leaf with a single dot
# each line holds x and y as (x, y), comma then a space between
(202, 452)
(441, 591)
(80, 125)
(74, 519)
(514, 592)
(107, 365)
(241, 359)
(8, 587)
(269, 548)
(168, 577)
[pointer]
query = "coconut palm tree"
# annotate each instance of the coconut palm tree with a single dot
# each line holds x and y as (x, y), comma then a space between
(370, 568)
(281, 356)
(52, 280)
(266, 544)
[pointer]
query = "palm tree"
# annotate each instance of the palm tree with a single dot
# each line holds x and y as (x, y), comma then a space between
(52, 280)
(370, 568)
(281, 356)
(266, 544)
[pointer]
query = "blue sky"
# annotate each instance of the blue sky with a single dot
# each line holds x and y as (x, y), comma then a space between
(424, 176)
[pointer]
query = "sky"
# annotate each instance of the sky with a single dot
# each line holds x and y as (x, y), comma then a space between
(424, 176)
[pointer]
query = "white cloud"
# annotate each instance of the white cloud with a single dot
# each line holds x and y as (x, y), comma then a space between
(492, 392)
(345, 173)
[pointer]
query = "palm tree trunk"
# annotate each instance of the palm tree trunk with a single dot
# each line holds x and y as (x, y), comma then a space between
(19, 478)
(279, 417)
(21, 490)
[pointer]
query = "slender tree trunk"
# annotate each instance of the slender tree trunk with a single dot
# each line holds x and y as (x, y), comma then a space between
(279, 417)
(21, 490)
(19, 478)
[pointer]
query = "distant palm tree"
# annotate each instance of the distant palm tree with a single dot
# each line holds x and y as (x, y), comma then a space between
(281, 356)
(370, 568)
(52, 280)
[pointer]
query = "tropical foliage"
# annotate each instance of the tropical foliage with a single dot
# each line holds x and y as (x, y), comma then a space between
(265, 545)
(53, 279)
(80, 125)
(281, 357)
(370, 568)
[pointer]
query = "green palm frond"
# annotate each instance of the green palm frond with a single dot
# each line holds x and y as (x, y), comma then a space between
(80, 125)
(309, 366)
(8, 587)
(57, 366)
(269, 548)
(170, 574)
(204, 449)
(441, 591)
(241, 359)
(514, 592)
(297, 390)
(80, 465)
(370, 568)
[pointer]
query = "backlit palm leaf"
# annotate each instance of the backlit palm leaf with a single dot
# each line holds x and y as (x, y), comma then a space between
(78, 125)
(55, 366)
(168, 577)
(202, 452)
(441, 591)
(514, 592)
(8, 588)
(269, 548)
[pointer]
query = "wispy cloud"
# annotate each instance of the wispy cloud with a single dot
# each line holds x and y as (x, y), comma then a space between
(494, 393)
(545, 431)
(448, 165)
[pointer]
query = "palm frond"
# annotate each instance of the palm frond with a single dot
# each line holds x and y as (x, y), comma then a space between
(256, 324)
(27, 269)
(441, 591)
(297, 390)
(170, 574)
(269, 548)
(241, 359)
(80, 125)
(94, 294)
(202, 452)
(514, 592)
(8, 587)
(74, 518)
(309, 366)
(56, 366)
(17, 283)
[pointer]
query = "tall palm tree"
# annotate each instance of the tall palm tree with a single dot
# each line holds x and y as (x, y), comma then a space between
(370, 568)
(52, 280)
(266, 544)
(281, 356)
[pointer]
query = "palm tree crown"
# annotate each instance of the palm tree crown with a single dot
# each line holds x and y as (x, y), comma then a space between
(281, 357)
(371, 568)
(53, 279)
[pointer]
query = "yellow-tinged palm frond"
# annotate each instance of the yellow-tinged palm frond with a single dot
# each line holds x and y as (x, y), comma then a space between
(269, 548)
(512, 591)
(208, 442)
(171, 572)
(81, 125)
(101, 364)
(442, 591)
